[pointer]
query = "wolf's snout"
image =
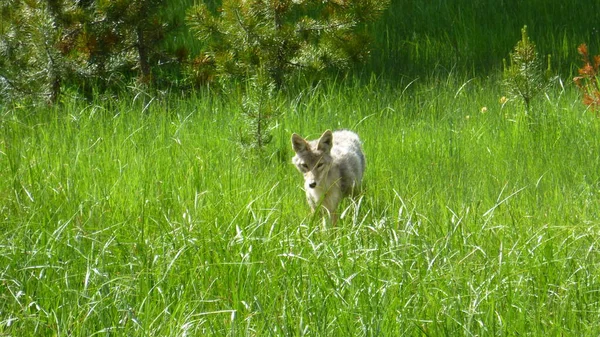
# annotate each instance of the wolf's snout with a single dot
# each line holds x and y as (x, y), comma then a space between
(312, 184)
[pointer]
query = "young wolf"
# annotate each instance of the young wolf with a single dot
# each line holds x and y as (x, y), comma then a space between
(332, 165)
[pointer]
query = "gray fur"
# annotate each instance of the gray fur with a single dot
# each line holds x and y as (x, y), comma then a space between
(333, 167)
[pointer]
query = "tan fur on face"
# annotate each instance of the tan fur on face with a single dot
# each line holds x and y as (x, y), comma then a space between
(332, 166)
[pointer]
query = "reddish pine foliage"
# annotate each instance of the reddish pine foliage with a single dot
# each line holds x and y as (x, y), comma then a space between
(588, 80)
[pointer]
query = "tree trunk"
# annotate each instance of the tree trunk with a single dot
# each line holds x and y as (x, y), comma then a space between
(143, 55)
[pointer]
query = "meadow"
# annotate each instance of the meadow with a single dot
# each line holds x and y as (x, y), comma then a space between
(141, 215)
(475, 219)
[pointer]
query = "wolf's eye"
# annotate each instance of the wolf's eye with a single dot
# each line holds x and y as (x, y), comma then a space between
(320, 165)
(304, 166)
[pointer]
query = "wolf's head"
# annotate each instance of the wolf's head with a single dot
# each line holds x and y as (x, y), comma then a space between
(313, 158)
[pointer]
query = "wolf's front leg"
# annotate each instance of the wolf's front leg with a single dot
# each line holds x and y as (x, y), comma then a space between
(334, 218)
(330, 205)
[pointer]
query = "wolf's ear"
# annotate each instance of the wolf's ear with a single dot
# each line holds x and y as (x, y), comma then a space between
(326, 141)
(298, 143)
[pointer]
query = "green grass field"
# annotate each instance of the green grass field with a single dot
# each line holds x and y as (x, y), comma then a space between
(141, 215)
(135, 218)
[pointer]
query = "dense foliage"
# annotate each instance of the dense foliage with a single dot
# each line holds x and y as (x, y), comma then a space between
(49, 45)
(283, 36)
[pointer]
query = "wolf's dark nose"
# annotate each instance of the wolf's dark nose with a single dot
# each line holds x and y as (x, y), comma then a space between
(312, 185)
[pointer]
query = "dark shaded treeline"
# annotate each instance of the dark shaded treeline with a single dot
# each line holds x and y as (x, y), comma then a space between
(92, 47)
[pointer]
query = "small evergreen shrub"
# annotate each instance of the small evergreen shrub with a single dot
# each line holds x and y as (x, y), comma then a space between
(259, 111)
(282, 37)
(525, 77)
